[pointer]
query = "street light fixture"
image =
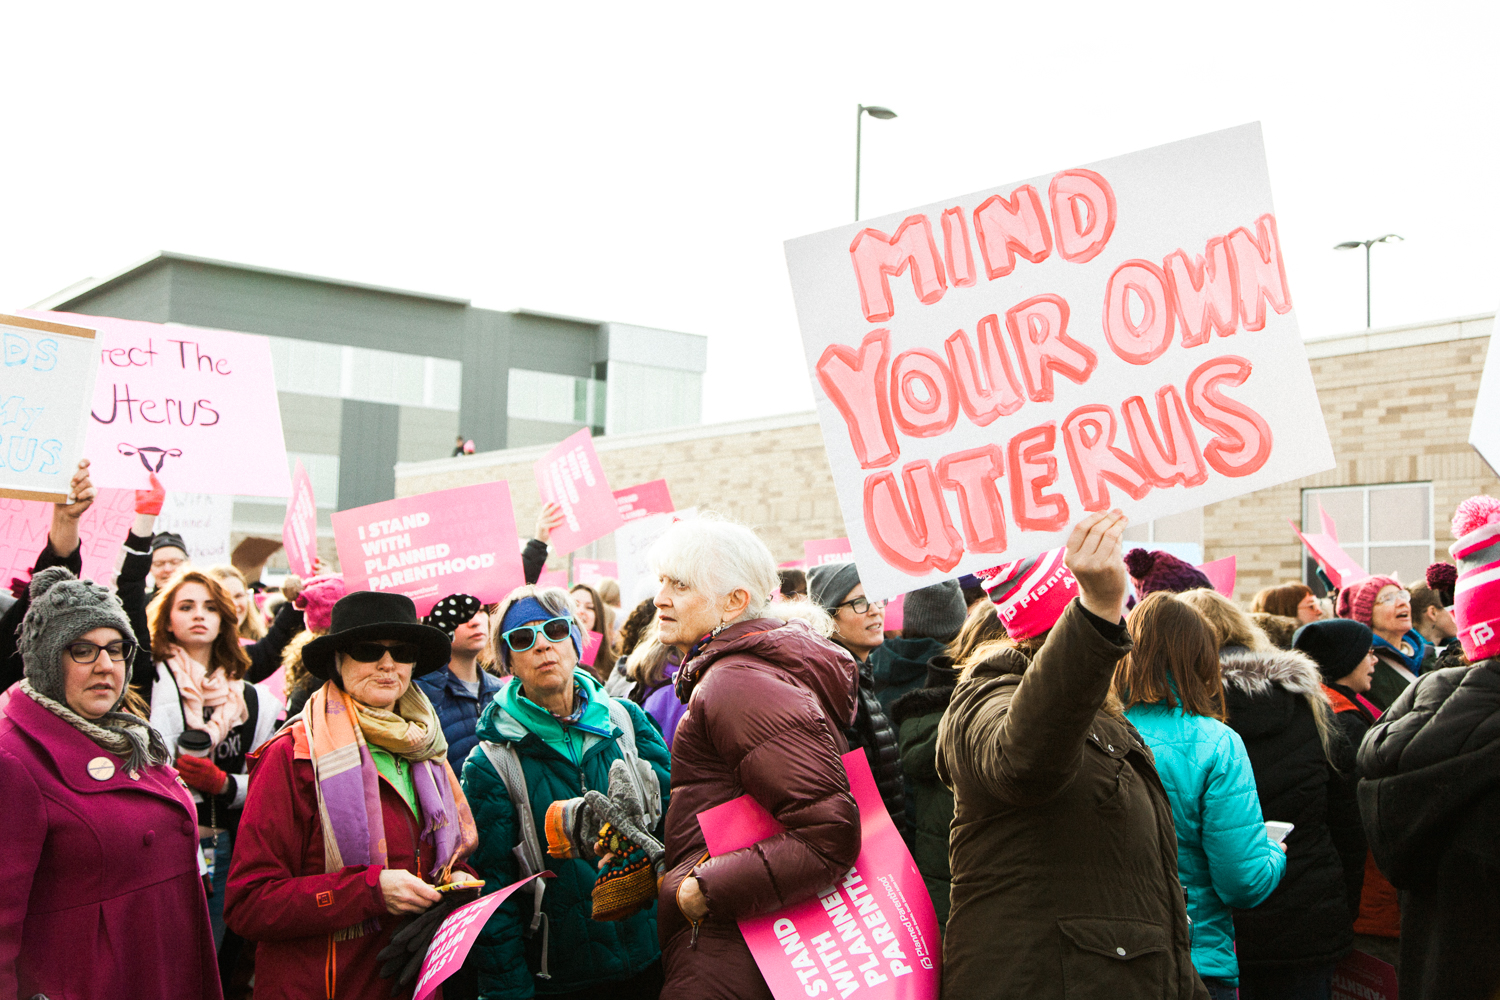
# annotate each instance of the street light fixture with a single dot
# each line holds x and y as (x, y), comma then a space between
(874, 111)
(1355, 245)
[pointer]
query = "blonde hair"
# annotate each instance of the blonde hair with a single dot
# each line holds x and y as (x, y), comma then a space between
(1232, 627)
(981, 625)
(254, 626)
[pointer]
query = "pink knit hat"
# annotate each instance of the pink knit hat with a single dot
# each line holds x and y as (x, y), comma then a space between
(319, 595)
(1357, 600)
(1031, 594)
(1476, 595)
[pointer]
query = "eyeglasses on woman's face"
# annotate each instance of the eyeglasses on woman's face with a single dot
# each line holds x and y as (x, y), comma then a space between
(88, 652)
(862, 605)
(1394, 597)
(523, 637)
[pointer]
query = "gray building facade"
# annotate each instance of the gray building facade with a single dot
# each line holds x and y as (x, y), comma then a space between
(367, 376)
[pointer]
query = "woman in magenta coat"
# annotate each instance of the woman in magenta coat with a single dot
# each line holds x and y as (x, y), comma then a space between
(100, 894)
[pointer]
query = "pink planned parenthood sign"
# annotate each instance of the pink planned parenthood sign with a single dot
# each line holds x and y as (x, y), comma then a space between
(571, 477)
(872, 932)
(23, 534)
(299, 530)
(458, 541)
(991, 367)
(197, 407)
(456, 936)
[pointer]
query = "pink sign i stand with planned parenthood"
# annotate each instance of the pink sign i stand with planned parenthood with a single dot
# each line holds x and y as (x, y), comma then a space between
(456, 936)
(458, 541)
(874, 928)
(570, 476)
(299, 530)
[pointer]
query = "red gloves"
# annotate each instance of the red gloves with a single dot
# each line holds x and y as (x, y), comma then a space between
(150, 501)
(201, 774)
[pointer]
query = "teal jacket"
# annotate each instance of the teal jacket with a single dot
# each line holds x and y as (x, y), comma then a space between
(1224, 858)
(560, 762)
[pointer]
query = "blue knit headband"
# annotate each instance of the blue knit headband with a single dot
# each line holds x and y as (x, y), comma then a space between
(529, 609)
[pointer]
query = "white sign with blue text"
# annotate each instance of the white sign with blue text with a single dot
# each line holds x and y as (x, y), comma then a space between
(47, 375)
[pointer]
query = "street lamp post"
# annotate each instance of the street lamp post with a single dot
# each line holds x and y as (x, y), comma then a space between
(1356, 244)
(874, 111)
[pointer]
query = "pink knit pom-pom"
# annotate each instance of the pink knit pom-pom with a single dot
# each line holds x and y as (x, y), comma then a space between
(1474, 513)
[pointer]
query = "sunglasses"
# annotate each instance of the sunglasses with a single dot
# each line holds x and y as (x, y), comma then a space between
(371, 652)
(523, 637)
(88, 652)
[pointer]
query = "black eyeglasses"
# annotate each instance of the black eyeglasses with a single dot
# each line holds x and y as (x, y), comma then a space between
(523, 637)
(371, 652)
(88, 652)
(861, 605)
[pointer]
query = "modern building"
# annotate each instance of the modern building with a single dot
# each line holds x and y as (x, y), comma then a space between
(1398, 403)
(368, 377)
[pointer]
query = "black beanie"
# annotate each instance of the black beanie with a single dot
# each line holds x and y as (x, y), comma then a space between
(1335, 644)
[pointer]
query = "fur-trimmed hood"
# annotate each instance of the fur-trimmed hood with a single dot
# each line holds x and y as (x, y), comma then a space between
(1250, 676)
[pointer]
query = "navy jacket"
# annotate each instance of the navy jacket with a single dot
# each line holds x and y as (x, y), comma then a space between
(458, 710)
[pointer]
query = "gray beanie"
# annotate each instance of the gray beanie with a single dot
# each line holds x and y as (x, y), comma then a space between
(63, 608)
(935, 612)
(830, 583)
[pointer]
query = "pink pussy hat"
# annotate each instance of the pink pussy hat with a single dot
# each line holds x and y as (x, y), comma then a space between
(1476, 595)
(319, 595)
(1031, 594)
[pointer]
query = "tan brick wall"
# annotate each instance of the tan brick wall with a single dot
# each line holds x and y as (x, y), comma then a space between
(1397, 415)
(1394, 415)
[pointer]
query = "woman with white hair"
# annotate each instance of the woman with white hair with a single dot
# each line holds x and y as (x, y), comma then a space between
(768, 698)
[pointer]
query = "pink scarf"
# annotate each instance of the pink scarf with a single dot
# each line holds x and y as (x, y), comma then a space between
(214, 695)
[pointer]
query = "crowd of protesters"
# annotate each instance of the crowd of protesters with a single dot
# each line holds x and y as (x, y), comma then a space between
(1114, 780)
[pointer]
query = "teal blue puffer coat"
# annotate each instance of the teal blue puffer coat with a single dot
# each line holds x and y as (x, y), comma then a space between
(1224, 857)
(558, 764)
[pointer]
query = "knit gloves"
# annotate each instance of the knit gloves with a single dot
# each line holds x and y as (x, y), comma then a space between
(612, 829)
(401, 960)
(201, 773)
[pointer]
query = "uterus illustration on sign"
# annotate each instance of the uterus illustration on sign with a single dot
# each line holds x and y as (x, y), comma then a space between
(148, 453)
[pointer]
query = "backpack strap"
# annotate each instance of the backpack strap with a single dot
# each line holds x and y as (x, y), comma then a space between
(648, 790)
(507, 764)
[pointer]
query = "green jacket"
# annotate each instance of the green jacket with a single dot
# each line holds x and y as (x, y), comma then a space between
(900, 665)
(560, 762)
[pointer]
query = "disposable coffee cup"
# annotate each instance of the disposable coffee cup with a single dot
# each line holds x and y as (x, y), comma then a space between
(195, 743)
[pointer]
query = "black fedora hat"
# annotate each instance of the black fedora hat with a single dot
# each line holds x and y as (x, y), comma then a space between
(366, 614)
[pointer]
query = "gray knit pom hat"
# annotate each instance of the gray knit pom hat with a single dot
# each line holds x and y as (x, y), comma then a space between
(63, 608)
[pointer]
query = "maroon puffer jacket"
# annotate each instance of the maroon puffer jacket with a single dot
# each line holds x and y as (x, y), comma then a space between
(767, 705)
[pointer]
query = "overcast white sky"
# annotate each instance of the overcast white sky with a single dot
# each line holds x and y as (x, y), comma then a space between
(644, 162)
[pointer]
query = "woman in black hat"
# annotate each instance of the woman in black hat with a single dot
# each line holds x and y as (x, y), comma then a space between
(354, 816)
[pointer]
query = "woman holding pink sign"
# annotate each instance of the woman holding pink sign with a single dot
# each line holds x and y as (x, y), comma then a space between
(768, 702)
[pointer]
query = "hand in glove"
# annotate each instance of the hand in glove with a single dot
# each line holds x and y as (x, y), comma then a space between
(200, 773)
(401, 960)
(150, 501)
(624, 811)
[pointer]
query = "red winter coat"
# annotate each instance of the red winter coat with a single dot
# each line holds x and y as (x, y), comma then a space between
(279, 895)
(767, 707)
(99, 887)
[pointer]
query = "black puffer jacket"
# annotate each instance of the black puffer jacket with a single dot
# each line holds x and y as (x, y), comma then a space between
(917, 715)
(1272, 698)
(873, 733)
(1429, 793)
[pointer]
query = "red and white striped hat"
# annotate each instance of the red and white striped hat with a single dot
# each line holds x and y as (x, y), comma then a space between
(1031, 594)
(1476, 594)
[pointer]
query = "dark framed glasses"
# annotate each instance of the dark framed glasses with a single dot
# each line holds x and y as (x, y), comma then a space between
(371, 652)
(523, 637)
(861, 605)
(87, 652)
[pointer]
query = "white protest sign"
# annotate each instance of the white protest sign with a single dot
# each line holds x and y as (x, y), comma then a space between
(990, 368)
(1484, 432)
(633, 540)
(197, 407)
(203, 520)
(46, 382)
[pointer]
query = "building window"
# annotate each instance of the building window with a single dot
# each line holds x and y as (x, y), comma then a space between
(556, 399)
(1179, 534)
(1387, 529)
(344, 372)
(322, 472)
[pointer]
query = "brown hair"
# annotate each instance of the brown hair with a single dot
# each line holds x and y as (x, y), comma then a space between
(1174, 659)
(981, 625)
(1232, 627)
(1422, 598)
(226, 653)
(1282, 600)
(604, 626)
(637, 625)
(254, 626)
(1278, 628)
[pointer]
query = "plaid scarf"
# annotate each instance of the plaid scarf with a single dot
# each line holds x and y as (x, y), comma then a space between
(339, 731)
